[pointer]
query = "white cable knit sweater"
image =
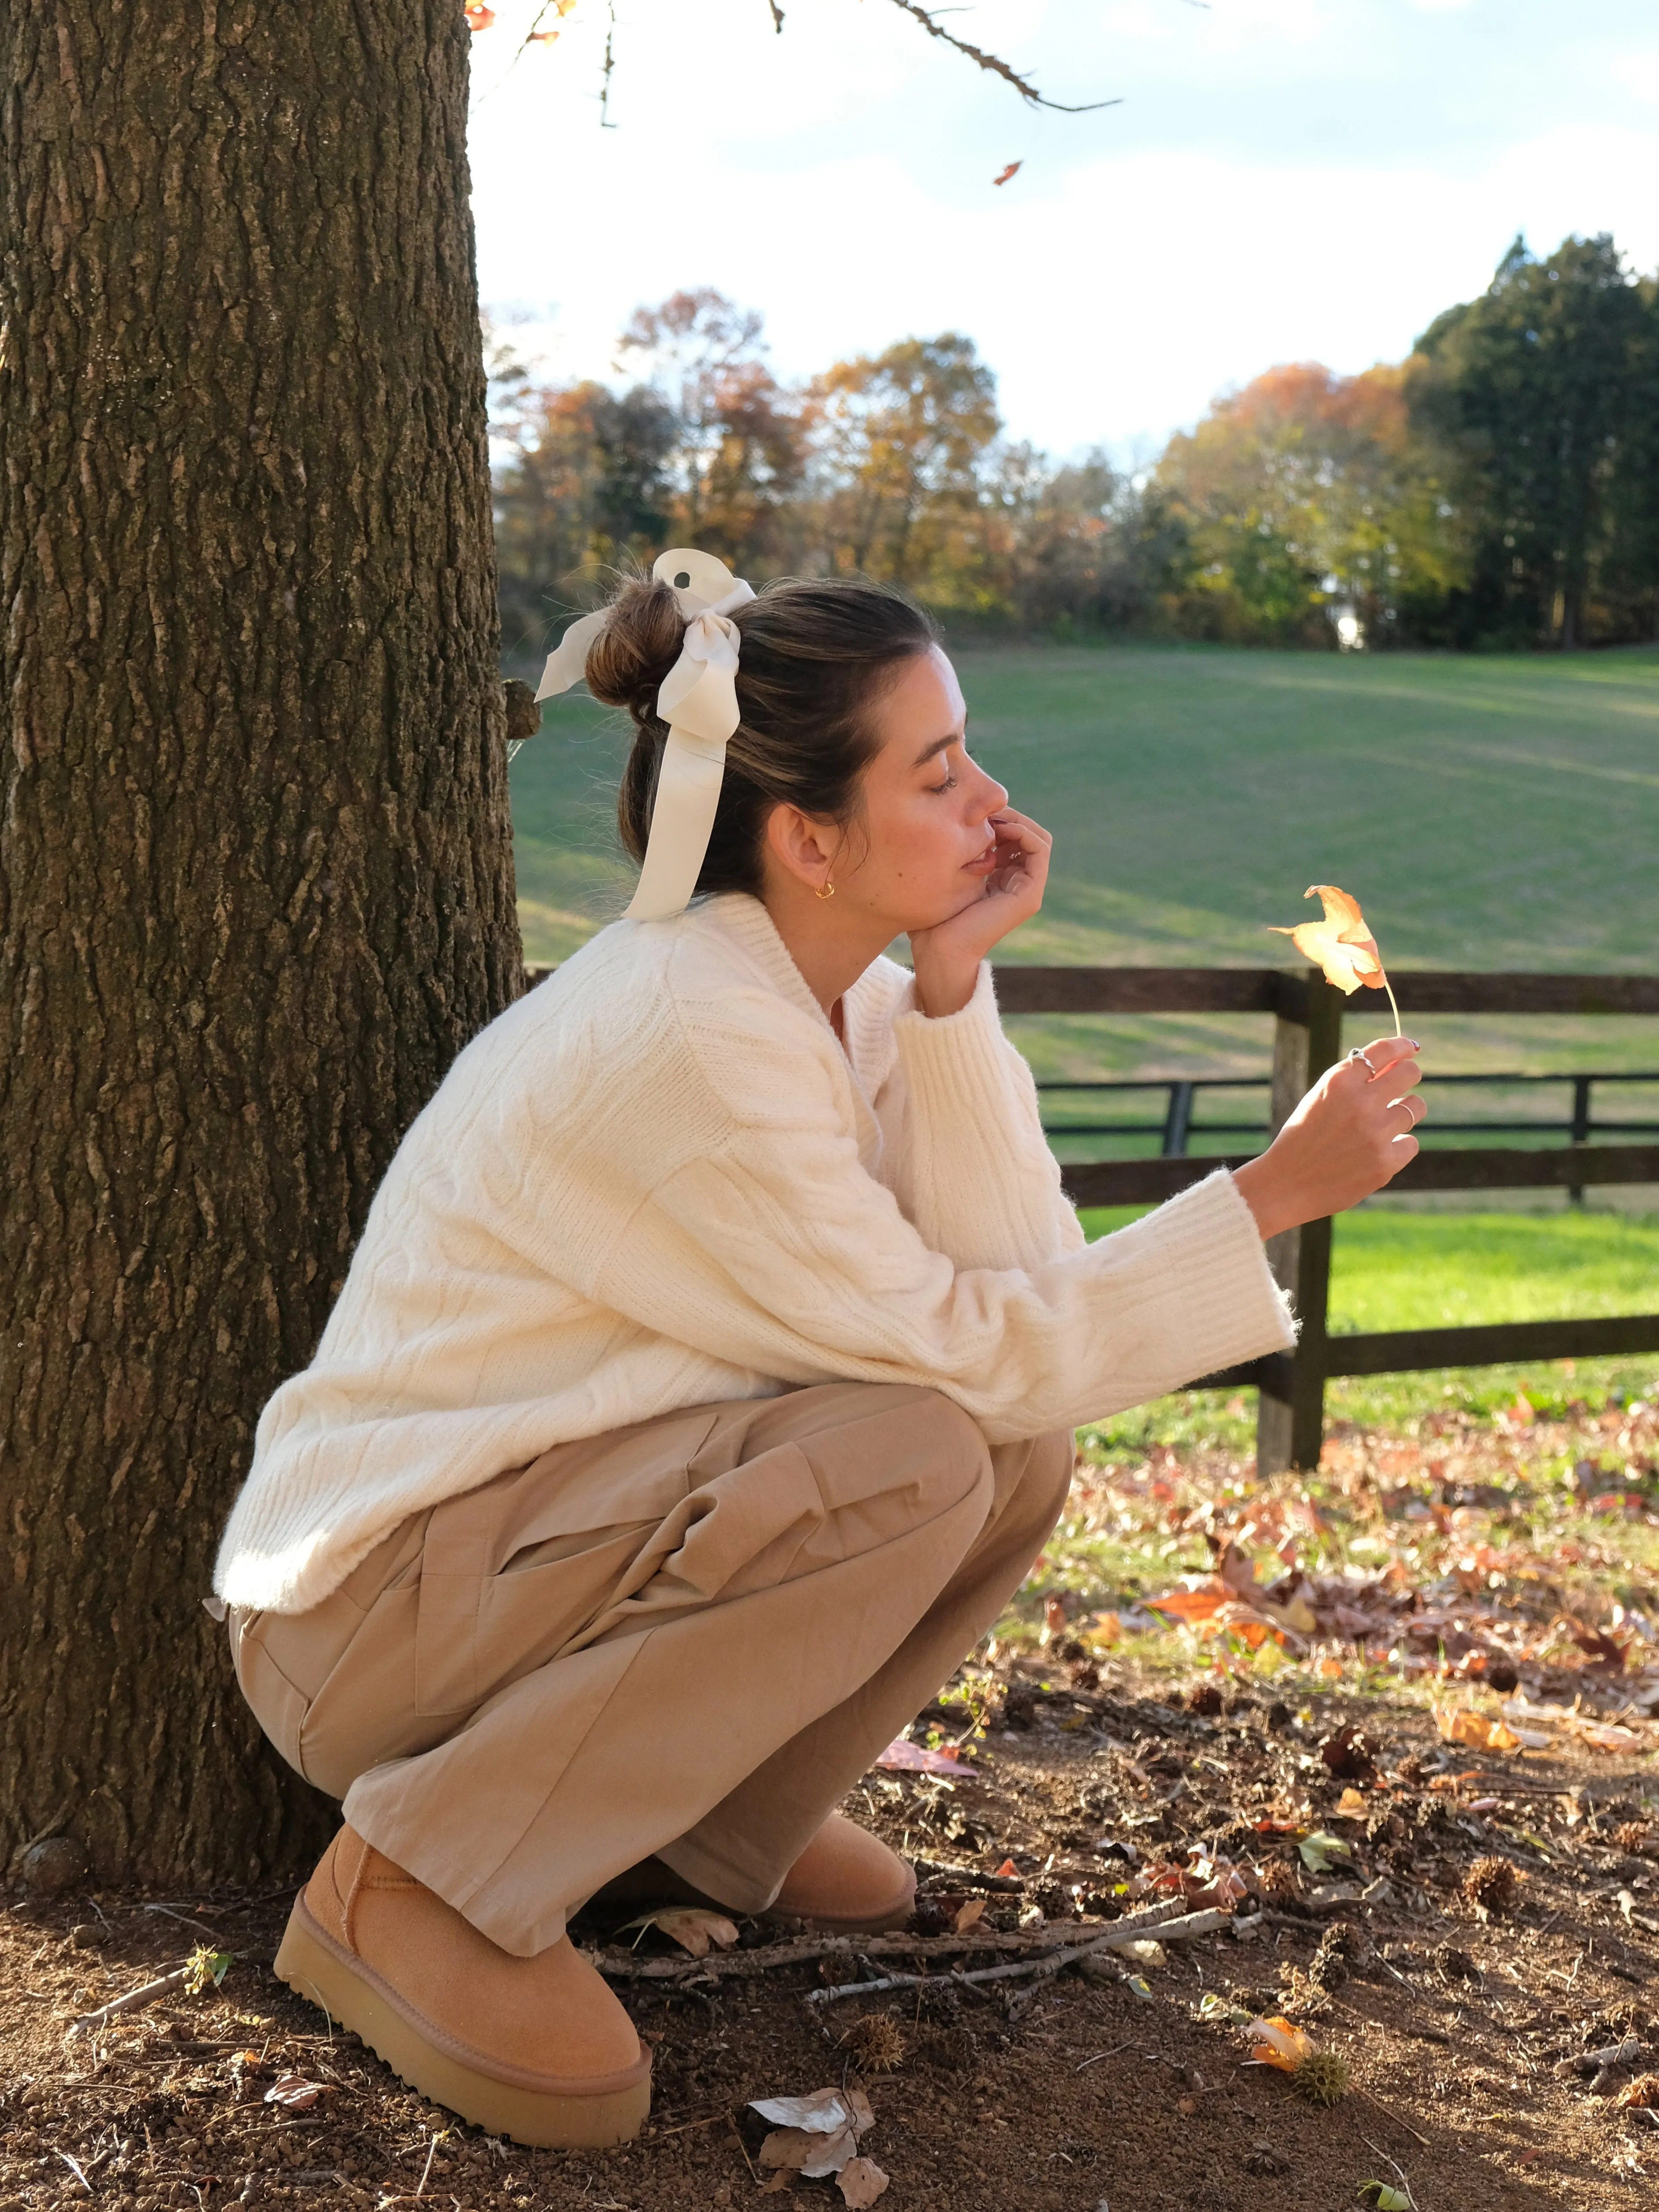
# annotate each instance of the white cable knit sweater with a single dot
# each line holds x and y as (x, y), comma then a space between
(659, 1180)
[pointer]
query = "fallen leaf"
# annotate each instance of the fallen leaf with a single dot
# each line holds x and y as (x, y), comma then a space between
(787, 2150)
(1012, 170)
(914, 1759)
(969, 1914)
(824, 2111)
(1341, 944)
(1006, 1868)
(1385, 2198)
(692, 1927)
(295, 2093)
(1352, 1803)
(1462, 1724)
(828, 2153)
(1607, 1735)
(1190, 1604)
(1320, 1852)
(1102, 1628)
(1280, 2044)
(860, 2181)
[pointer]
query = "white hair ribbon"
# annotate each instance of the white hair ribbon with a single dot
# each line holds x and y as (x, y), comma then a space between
(698, 700)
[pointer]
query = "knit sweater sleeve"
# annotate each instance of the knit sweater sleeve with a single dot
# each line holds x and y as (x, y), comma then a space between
(974, 1171)
(808, 1269)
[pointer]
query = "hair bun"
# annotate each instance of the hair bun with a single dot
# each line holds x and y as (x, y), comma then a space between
(641, 641)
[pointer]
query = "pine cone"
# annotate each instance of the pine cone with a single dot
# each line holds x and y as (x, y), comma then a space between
(1489, 1886)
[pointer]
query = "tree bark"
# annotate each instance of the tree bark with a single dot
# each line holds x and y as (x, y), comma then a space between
(256, 882)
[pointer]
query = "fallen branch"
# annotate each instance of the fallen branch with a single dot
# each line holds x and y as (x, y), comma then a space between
(740, 1966)
(147, 1995)
(1040, 1969)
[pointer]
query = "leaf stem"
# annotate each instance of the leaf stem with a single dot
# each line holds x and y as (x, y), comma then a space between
(1395, 1003)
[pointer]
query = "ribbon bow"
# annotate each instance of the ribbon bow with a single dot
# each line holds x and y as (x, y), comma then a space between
(698, 700)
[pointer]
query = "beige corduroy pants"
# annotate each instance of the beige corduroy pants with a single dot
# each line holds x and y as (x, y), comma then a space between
(687, 1637)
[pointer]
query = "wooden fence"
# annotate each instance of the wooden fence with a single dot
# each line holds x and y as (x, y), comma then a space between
(1308, 1015)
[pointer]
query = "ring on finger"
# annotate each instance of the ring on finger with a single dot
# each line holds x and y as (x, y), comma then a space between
(1358, 1054)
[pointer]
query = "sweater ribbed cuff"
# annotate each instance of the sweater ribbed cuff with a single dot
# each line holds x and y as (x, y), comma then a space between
(953, 1062)
(1231, 1308)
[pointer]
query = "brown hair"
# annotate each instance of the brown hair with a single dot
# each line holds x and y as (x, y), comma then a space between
(815, 655)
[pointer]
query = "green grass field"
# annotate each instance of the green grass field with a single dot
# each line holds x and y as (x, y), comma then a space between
(1489, 813)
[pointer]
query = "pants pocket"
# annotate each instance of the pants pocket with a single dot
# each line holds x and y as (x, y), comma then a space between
(511, 1572)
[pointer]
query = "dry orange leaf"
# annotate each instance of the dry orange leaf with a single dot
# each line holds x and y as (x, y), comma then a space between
(1280, 2044)
(478, 17)
(970, 1915)
(1190, 1604)
(1012, 170)
(1350, 1803)
(1461, 1725)
(1341, 944)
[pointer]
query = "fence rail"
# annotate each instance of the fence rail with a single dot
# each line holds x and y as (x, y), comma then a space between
(1307, 1018)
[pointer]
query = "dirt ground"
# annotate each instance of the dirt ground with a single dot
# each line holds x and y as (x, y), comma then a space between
(1461, 2022)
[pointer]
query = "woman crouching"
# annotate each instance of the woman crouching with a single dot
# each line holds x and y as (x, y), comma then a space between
(704, 1381)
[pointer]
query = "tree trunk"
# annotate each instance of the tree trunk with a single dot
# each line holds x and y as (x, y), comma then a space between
(256, 882)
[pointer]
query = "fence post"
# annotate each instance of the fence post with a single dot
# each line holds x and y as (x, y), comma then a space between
(1178, 1119)
(1306, 1040)
(1580, 1131)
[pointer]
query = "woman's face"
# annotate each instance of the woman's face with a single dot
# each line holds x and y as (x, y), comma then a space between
(926, 841)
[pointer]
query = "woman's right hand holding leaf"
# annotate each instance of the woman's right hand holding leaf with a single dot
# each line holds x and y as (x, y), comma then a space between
(1351, 1135)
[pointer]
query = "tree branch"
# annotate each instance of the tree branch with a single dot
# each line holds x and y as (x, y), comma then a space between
(1027, 91)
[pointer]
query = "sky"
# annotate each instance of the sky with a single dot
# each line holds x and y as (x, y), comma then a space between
(1280, 180)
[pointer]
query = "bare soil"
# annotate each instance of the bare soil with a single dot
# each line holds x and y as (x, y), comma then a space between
(1068, 2094)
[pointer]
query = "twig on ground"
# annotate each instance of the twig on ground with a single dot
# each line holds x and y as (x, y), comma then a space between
(147, 1995)
(1098, 2056)
(1040, 1969)
(1388, 2114)
(740, 1966)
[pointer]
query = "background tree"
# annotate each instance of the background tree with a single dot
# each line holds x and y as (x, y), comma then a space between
(1303, 495)
(1542, 395)
(902, 440)
(588, 481)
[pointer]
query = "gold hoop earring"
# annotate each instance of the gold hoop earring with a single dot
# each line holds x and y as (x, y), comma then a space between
(829, 890)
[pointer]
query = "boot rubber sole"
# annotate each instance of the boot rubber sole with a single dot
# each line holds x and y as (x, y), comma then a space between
(551, 2118)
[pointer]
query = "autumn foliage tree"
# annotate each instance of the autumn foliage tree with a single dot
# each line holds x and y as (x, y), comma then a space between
(1306, 491)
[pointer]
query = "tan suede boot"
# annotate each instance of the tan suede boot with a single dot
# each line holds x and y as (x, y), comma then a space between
(846, 1881)
(537, 2048)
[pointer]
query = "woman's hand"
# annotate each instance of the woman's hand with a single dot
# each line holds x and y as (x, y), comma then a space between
(946, 957)
(1349, 1136)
